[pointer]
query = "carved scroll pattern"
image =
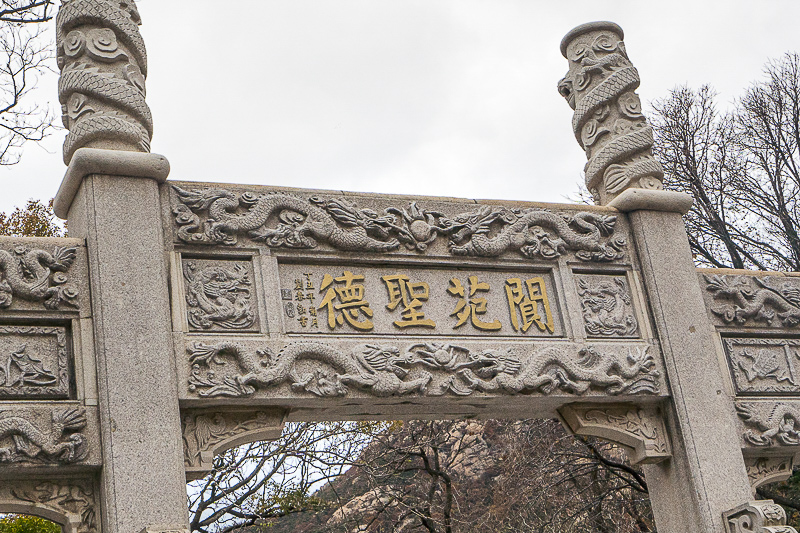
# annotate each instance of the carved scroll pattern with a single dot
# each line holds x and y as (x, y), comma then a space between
(764, 365)
(770, 423)
(607, 307)
(746, 300)
(75, 501)
(323, 370)
(217, 216)
(219, 295)
(763, 470)
(23, 373)
(761, 516)
(207, 432)
(103, 65)
(608, 120)
(640, 429)
(25, 438)
(37, 275)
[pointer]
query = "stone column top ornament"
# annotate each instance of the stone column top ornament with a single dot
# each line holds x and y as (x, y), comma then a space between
(608, 122)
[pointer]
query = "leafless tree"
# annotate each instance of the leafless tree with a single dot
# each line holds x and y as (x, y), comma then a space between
(261, 481)
(26, 52)
(742, 166)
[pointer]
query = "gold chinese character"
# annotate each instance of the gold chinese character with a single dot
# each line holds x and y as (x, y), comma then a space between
(351, 301)
(310, 296)
(301, 310)
(411, 295)
(309, 283)
(299, 295)
(312, 311)
(303, 320)
(470, 307)
(298, 284)
(526, 306)
(314, 323)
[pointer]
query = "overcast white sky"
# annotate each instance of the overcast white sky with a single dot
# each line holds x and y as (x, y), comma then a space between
(429, 97)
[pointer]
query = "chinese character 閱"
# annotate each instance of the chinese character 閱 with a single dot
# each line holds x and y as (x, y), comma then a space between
(526, 306)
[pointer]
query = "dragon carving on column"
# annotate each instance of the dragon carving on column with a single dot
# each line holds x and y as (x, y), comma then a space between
(608, 120)
(103, 65)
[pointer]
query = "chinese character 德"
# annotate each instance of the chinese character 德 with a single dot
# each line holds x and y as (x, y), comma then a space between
(411, 295)
(526, 306)
(469, 307)
(351, 304)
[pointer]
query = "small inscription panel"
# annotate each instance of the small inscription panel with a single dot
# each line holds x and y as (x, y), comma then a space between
(764, 365)
(220, 295)
(353, 299)
(34, 362)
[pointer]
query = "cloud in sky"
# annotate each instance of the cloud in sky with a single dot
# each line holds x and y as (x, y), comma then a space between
(429, 97)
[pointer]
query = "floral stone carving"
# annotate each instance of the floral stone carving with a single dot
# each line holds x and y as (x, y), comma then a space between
(607, 307)
(760, 516)
(23, 440)
(764, 365)
(34, 361)
(764, 470)
(218, 295)
(770, 424)
(608, 120)
(218, 216)
(383, 370)
(72, 504)
(747, 299)
(640, 429)
(207, 433)
(103, 65)
(37, 276)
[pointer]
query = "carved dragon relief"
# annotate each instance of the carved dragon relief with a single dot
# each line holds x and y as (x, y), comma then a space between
(747, 299)
(770, 423)
(608, 120)
(207, 432)
(71, 503)
(760, 516)
(219, 296)
(103, 65)
(428, 369)
(23, 440)
(607, 307)
(639, 429)
(217, 216)
(37, 275)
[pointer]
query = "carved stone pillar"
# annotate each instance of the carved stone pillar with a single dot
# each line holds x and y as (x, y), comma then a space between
(608, 120)
(706, 475)
(110, 197)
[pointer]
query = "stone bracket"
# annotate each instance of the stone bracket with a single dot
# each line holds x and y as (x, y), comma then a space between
(762, 470)
(760, 516)
(209, 432)
(71, 503)
(638, 429)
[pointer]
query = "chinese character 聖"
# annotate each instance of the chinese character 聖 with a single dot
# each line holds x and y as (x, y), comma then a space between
(411, 295)
(351, 304)
(526, 306)
(469, 307)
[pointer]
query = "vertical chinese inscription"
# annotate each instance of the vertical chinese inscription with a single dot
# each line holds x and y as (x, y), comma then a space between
(219, 295)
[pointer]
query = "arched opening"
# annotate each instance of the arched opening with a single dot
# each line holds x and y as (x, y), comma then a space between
(27, 523)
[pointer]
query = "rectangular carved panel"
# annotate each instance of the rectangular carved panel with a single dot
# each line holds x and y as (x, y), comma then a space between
(34, 362)
(220, 295)
(359, 299)
(607, 306)
(760, 366)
